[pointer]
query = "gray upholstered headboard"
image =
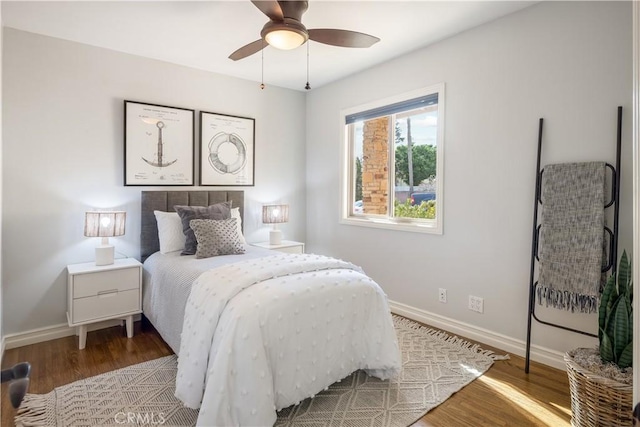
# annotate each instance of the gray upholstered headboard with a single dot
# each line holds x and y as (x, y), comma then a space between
(166, 200)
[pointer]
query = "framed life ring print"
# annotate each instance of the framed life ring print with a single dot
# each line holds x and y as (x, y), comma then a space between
(227, 150)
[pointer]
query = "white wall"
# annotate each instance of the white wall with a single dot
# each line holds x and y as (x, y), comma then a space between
(63, 155)
(569, 62)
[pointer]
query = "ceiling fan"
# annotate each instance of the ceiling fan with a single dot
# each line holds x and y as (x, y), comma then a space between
(286, 31)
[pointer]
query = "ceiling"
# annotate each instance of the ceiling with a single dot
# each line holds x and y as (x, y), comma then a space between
(202, 34)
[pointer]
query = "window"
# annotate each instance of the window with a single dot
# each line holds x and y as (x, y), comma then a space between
(393, 162)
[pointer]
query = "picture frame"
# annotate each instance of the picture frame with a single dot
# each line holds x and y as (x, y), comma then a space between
(227, 150)
(159, 145)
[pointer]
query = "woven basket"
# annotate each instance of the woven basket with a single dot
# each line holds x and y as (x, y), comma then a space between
(597, 401)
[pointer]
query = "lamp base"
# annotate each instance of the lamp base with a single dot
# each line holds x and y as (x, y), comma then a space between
(104, 255)
(275, 237)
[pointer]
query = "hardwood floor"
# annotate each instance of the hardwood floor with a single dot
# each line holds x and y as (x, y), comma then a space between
(504, 396)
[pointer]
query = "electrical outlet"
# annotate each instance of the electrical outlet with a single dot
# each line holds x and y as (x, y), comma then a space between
(476, 304)
(442, 295)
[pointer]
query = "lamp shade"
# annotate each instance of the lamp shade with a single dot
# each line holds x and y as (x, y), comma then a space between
(274, 214)
(104, 223)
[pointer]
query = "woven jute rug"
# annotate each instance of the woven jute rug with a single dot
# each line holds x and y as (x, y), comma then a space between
(435, 365)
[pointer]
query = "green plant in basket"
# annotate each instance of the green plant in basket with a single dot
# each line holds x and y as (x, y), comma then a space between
(615, 317)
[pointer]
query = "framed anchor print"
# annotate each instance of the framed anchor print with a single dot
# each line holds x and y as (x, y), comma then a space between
(227, 150)
(158, 144)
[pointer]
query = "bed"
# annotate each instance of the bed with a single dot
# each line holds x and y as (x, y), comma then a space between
(259, 331)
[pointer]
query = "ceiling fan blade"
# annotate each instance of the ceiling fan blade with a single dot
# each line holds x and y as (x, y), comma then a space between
(248, 50)
(271, 8)
(343, 38)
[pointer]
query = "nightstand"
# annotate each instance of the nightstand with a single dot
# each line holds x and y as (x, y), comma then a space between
(102, 292)
(287, 246)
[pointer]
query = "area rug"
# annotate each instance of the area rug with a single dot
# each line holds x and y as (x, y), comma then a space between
(434, 366)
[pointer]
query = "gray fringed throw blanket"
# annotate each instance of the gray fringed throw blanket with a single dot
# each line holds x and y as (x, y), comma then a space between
(571, 236)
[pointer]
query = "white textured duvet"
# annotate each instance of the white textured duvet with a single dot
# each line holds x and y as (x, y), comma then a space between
(263, 334)
(167, 285)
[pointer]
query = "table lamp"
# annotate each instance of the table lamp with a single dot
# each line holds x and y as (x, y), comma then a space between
(104, 224)
(274, 214)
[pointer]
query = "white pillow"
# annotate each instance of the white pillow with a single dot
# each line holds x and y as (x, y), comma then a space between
(170, 231)
(235, 213)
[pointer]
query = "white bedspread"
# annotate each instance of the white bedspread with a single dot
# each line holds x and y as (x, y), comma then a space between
(263, 334)
(167, 284)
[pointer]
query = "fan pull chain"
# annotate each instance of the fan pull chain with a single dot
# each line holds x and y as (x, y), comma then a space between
(262, 70)
(307, 86)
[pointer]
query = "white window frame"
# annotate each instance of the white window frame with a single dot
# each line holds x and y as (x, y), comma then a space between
(435, 226)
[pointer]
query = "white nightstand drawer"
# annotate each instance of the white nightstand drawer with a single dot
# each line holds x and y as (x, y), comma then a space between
(106, 305)
(91, 284)
(291, 249)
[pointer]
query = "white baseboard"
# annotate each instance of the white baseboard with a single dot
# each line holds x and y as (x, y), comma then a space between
(49, 333)
(543, 355)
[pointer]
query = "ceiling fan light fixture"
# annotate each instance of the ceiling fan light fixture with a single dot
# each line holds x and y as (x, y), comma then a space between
(285, 35)
(285, 39)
